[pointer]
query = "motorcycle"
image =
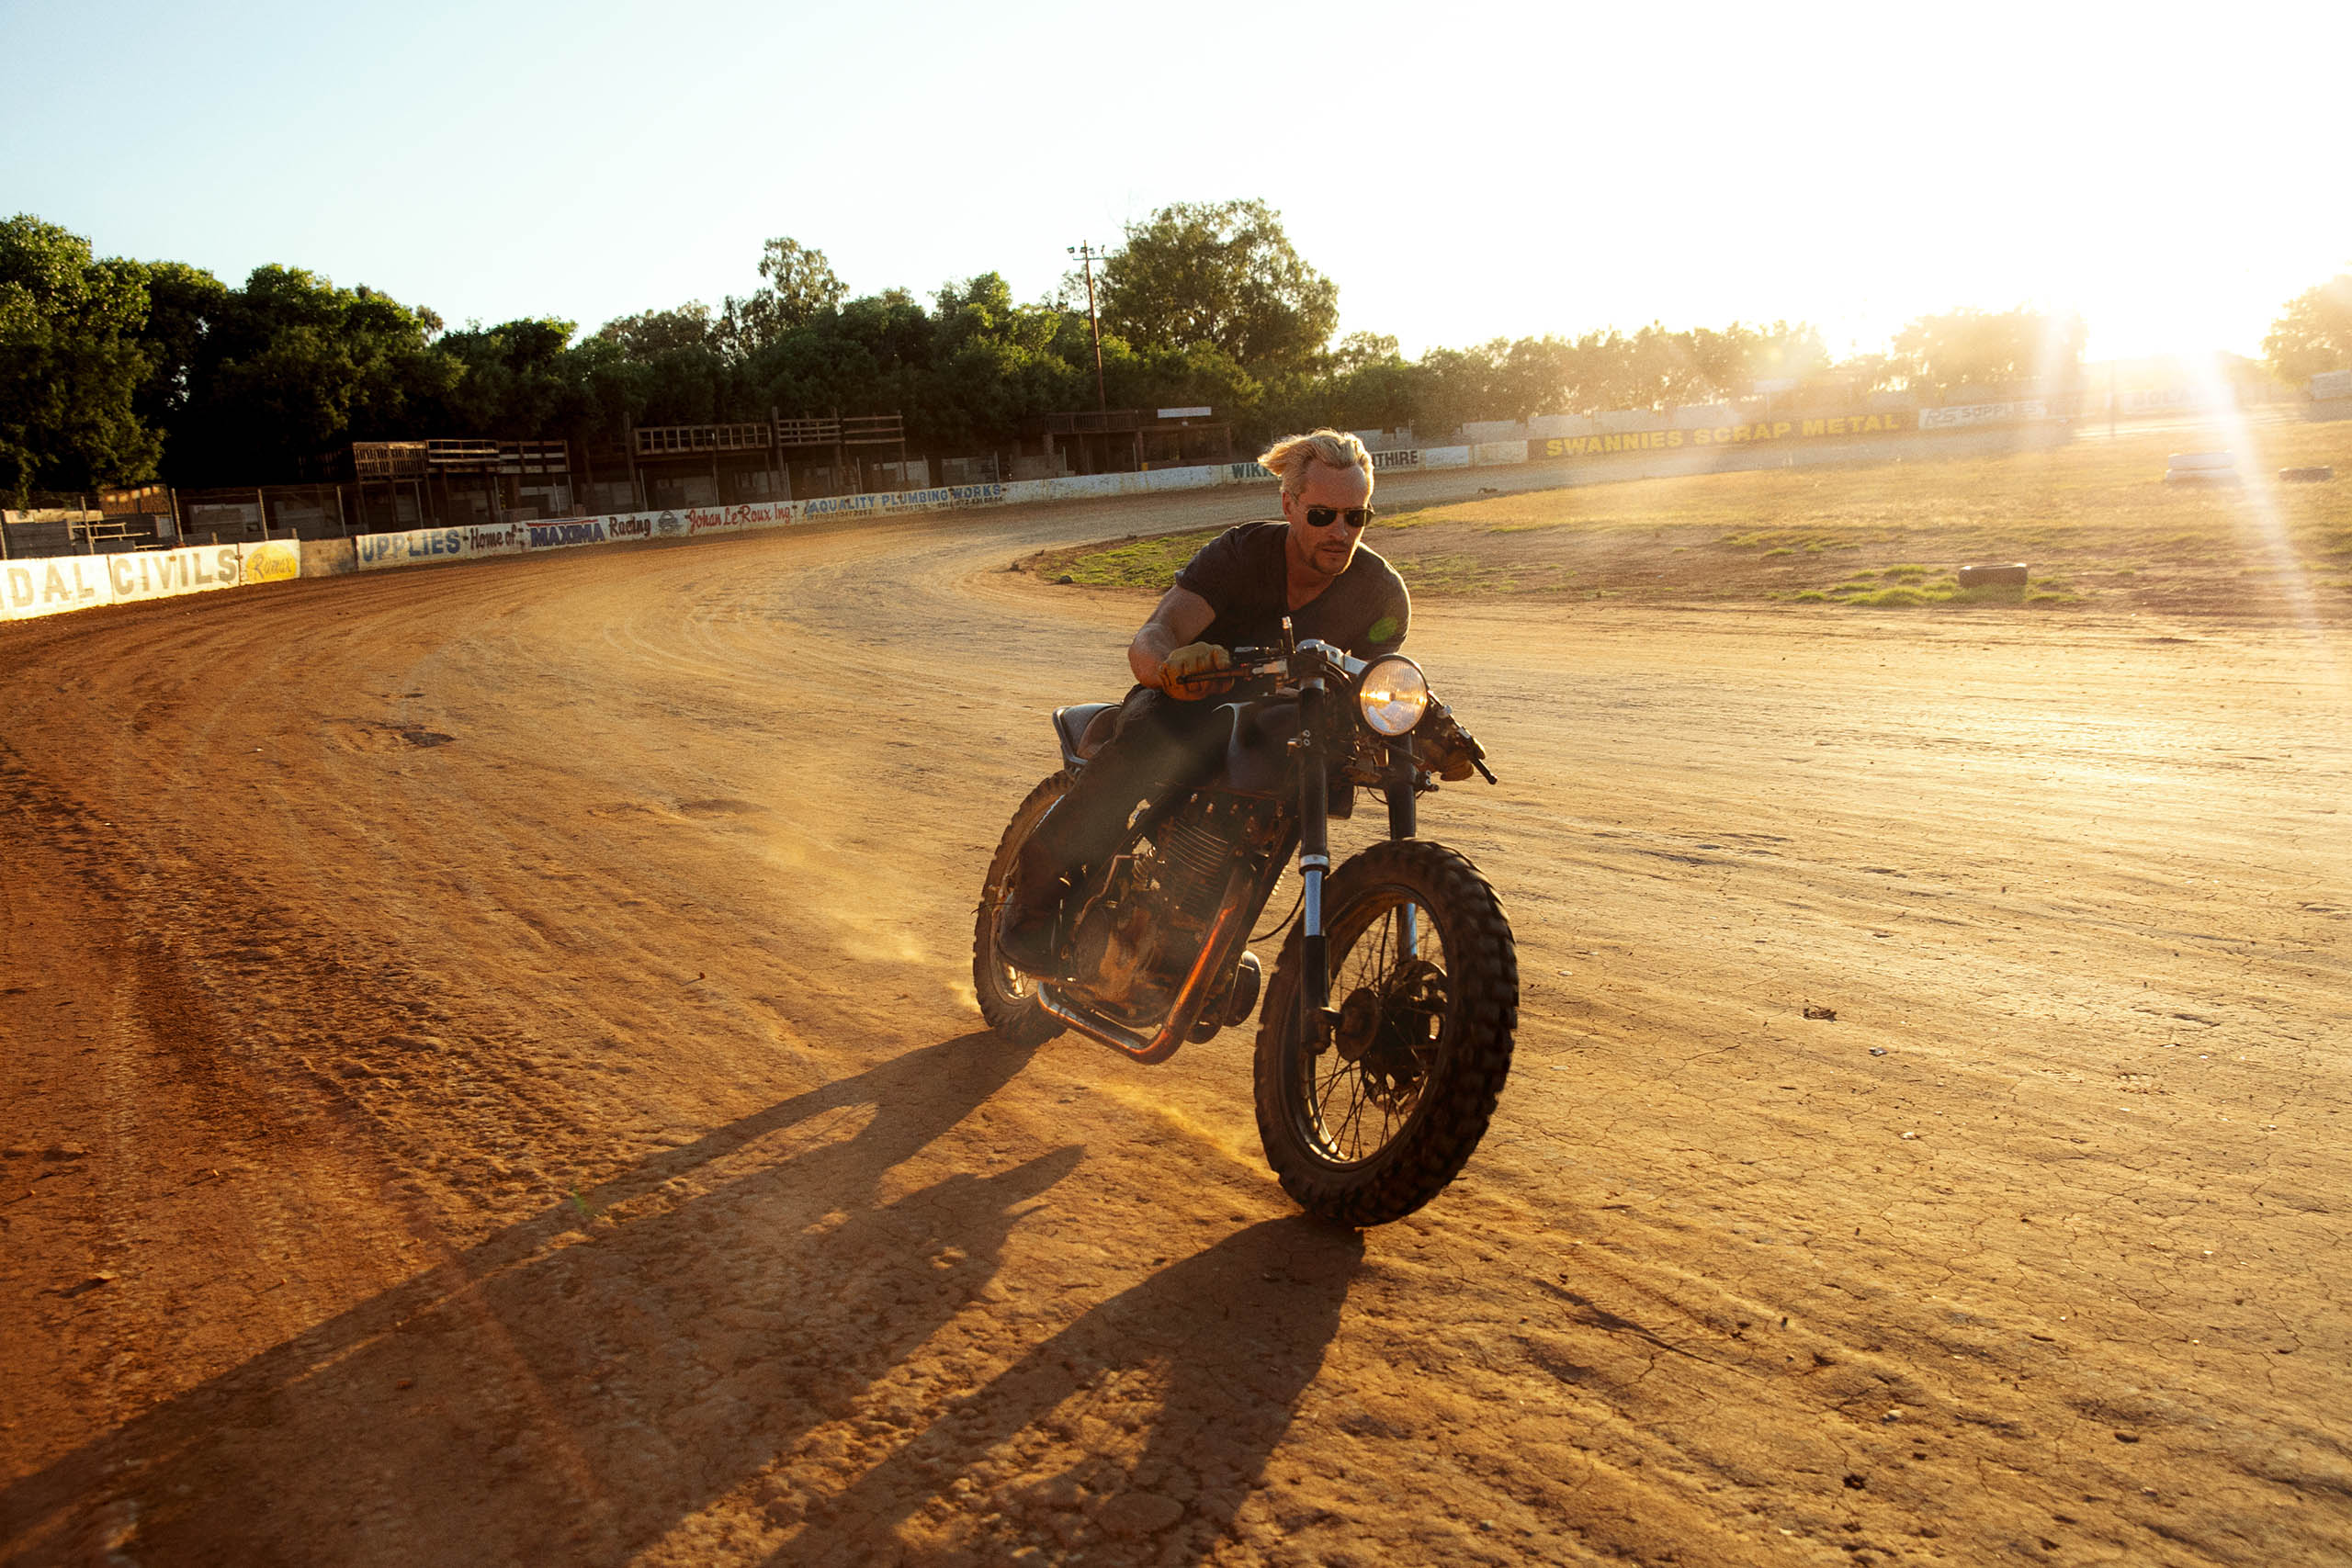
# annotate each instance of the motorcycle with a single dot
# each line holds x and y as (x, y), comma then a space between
(1368, 1105)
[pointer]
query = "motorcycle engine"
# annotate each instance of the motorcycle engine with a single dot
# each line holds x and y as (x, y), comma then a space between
(1134, 943)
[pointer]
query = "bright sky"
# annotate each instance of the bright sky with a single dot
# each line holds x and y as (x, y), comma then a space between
(2174, 173)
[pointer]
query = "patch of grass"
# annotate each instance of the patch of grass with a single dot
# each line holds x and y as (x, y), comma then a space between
(1898, 596)
(1462, 572)
(1916, 591)
(1149, 561)
(1780, 550)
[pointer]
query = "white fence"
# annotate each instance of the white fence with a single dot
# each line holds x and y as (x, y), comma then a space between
(51, 585)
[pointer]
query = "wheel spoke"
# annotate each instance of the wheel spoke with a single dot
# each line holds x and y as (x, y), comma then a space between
(1355, 1109)
(1405, 1042)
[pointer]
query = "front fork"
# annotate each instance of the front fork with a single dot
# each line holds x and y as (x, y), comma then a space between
(1404, 813)
(1314, 865)
(1315, 859)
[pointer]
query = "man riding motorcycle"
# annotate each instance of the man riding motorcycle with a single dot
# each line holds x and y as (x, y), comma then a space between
(1235, 592)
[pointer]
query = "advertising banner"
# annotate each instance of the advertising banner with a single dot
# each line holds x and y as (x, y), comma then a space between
(418, 546)
(1445, 457)
(1842, 427)
(947, 498)
(565, 533)
(1982, 414)
(167, 574)
(274, 560)
(697, 520)
(1395, 462)
(1487, 454)
(505, 539)
(54, 584)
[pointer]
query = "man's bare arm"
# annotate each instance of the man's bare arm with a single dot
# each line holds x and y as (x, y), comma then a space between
(1179, 617)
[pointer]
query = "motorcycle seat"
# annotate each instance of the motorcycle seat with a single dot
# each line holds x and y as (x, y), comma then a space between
(1083, 728)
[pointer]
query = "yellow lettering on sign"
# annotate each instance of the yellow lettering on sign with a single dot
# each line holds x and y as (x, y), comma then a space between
(1816, 426)
(1836, 427)
(1674, 438)
(1781, 429)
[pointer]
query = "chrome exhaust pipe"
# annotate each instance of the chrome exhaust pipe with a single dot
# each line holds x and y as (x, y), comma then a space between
(1226, 932)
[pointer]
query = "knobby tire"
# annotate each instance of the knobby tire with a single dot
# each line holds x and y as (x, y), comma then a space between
(1474, 1051)
(1008, 1000)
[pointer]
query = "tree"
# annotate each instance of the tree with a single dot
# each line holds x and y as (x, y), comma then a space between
(1223, 275)
(182, 303)
(517, 381)
(289, 367)
(661, 367)
(2313, 333)
(70, 364)
(798, 286)
(1969, 348)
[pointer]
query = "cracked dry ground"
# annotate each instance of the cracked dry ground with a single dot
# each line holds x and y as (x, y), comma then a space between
(489, 1076)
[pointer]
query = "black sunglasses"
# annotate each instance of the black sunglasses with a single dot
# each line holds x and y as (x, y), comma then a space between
(1324, 516)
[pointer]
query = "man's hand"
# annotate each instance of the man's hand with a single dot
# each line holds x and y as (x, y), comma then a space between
(1187, 674)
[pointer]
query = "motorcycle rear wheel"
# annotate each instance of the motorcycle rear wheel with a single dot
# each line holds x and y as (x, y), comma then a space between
(1008, 998)
(1379, 1120)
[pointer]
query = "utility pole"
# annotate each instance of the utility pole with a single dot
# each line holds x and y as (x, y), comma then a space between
(1088, 256)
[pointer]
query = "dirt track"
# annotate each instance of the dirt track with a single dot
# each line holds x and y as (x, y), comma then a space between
(489, 1076)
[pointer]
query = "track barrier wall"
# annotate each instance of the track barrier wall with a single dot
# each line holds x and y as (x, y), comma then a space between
(54, 584)
(51, 585)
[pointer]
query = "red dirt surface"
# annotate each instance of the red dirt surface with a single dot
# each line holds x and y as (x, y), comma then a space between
(490, 1077)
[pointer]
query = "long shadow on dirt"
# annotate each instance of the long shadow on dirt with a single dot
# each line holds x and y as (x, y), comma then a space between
(1143, 1426)
(575, 1387)
(606, 1366)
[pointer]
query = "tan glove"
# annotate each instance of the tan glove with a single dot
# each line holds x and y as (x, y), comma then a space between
(1186, 673)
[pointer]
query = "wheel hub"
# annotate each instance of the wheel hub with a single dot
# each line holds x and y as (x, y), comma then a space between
(1358, 1024)
(1389, 1035)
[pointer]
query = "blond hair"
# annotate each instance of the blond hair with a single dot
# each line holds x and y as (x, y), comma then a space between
(1292, 456)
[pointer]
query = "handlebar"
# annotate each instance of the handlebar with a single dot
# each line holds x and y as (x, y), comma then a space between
(1252, 663)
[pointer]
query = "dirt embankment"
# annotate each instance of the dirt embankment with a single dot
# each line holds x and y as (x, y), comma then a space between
(2094, 521)
(490, 1077)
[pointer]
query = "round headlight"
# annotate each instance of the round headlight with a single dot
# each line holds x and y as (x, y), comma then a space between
(1392, 697)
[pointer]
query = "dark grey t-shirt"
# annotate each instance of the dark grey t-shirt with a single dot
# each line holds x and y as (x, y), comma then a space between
(1243, 576)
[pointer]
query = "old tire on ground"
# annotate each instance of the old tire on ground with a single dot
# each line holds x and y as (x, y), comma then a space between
(1009, 998)
(1424, 1042)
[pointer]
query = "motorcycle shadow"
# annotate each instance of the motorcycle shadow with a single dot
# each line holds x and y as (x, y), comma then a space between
(653, 1354)
(571, 1388)
(1145, 1426)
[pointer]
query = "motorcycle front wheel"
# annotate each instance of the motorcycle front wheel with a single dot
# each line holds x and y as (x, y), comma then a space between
(1372, 1123)
(1008, 998)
